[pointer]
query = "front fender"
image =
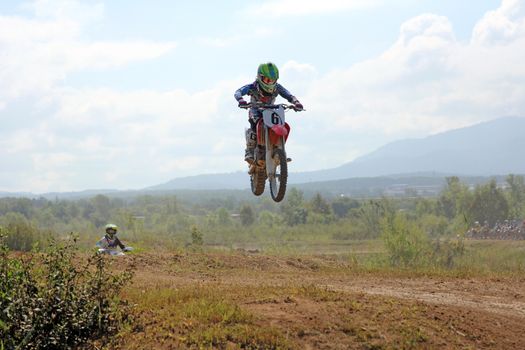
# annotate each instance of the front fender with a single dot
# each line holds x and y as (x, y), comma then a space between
(278, 131)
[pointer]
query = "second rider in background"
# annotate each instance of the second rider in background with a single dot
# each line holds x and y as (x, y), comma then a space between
(263, 90)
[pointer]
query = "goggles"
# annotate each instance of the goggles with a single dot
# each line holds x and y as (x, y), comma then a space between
(267, 80)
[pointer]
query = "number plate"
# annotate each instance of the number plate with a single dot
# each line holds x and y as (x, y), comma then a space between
(273, 117)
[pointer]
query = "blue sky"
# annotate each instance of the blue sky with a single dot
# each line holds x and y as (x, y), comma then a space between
(120, 94)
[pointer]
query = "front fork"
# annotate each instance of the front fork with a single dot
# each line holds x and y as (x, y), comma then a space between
(268, 161)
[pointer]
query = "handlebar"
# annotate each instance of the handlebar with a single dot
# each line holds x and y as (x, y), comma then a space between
(261, 106)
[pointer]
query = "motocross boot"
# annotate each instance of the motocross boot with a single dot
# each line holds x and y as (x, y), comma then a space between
(250, 146)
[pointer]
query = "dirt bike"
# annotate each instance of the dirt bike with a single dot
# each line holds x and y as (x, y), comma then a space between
(270, 161)
(114, 252)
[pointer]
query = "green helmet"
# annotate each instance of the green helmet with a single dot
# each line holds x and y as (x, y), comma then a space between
(267, 75)
(111, 227)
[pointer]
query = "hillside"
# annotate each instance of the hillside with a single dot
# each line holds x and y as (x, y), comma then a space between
(484, 149)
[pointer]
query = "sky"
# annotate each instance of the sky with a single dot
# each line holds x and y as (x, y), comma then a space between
(129, 94)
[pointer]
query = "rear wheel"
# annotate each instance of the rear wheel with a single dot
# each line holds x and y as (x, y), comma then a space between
(258, 180)
(278, 183)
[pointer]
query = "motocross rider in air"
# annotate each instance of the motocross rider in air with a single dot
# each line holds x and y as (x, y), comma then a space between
(263, 90)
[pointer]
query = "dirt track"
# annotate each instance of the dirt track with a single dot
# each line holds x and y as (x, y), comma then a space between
(321, 303)
(504, 298)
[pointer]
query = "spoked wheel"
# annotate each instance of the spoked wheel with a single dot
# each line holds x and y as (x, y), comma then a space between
(278, 183)
(258, 180)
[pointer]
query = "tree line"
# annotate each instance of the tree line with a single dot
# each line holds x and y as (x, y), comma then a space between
(167, 218)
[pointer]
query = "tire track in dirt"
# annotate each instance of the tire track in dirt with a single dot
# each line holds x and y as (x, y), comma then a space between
(476, 301)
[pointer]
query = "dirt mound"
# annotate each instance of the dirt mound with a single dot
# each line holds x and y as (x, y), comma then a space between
(195, 261)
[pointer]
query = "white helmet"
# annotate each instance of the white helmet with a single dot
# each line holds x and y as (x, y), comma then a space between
(112, 227)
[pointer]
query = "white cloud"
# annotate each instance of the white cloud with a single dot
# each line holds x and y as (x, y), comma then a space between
(70, 135)
(298, 76)
(172, 108)
(258, 33)
(145, 136)
(277, 8)
(39, 52)
(427, 82)
(72, 9)
(502, 25)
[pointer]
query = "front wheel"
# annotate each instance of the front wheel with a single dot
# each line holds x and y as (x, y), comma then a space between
(278, 182)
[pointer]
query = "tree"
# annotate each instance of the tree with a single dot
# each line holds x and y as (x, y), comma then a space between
(223, 216)
(488, 204)
(433, 225)
(342, 205)
(320, 205)
(453, 199)
(171, 205)
(516, 196)
(293, 210)
(425, 206)
(101, 203)
(197, 238)
(372, 213)
(21, 234)
(247, 215)
(268, 219)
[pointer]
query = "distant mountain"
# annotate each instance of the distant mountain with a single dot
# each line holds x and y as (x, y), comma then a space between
(494, 147)
(15, 194)
(59, 195)
(426, 185)
(422, 184)
(222, 181)
(485, 149)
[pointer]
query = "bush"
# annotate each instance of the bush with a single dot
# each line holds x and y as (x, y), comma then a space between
(23, 236)
(46, 301)
(405, 242)
(197, 238)
(433, 225)
(408, 246)
(445, 253)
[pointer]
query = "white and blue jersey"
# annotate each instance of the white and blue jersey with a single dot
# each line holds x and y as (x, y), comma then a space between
(256, 95)
(108, 242)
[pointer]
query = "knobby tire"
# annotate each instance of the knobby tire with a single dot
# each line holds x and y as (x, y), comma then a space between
(283, 166)
(258, 180)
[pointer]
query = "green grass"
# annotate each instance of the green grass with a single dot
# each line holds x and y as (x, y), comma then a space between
(480, 258)
(498, 257)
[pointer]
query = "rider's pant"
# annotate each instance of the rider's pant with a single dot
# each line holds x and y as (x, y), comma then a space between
(253, 117)
(251, 139)
(250, 134)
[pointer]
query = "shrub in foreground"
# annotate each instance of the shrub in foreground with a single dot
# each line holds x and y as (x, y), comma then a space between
(53, 301)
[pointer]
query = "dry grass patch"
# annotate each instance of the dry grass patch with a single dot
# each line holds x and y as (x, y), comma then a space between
(198, 317)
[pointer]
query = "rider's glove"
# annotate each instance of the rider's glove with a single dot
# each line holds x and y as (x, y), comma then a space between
(298, 105)
(242, 103)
